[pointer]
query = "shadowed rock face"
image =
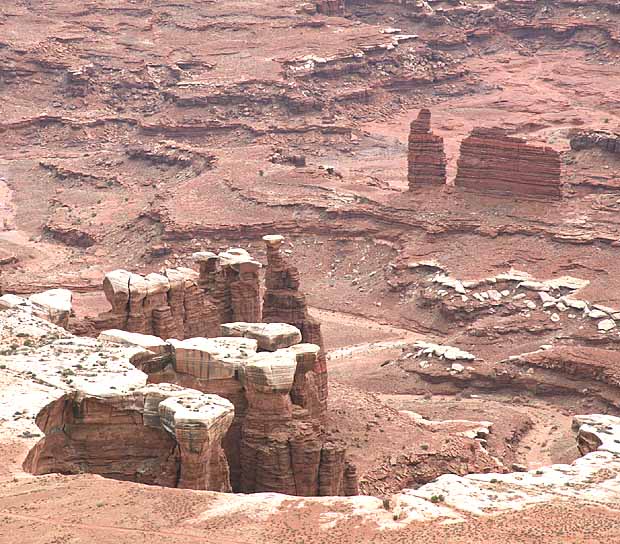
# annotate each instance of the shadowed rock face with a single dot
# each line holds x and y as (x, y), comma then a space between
(330, 7)
(272, 443)
(426, 157)
(163, 435)
(492, 161)
(585, 139)
(99, 415)
(282, 449)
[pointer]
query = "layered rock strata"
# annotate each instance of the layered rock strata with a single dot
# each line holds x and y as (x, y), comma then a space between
(491, 161)
(284, 302)
(182, 303)
(156, 434)
(273, 443)
(231, 281)
(330, 7)
(169, 305)
(281, 448)
(214, 365)
(99, 415)
(426, 157)
(606, 141)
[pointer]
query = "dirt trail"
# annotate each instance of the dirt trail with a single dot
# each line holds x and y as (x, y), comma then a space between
(348, 334)
(551, 439)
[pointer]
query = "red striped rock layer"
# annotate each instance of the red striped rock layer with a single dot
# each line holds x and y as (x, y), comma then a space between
(169, 306)
(291, 457)
(426, 157)
(123, 436)
(491, 161)
(273, 443)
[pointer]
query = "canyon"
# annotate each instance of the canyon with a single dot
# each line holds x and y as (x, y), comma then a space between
(322, 271)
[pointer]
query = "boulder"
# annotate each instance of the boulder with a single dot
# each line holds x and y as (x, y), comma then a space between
(53, 305)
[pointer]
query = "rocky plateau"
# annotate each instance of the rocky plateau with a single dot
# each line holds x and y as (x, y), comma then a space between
(320, 271)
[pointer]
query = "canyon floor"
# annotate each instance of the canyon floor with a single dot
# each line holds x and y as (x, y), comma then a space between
(133, 134)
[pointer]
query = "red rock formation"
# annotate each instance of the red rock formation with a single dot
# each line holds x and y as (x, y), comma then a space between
(330, 7)
(176, 302)
(282, 448)
(163, 322)
(89, 436)
(244, 287)
(158, 434)
(284, 303)
(231, 285)
(273, 443)
(426, 157)
(184, 303)
(492, 161)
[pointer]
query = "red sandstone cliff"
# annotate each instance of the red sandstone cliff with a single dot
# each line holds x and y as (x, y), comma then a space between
(158, 434)
(492, 161)
(183, 303)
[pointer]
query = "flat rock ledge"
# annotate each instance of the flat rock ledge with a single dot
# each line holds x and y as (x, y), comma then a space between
(61, 383)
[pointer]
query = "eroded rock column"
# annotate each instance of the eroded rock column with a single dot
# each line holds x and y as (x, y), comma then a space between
(282, 447)
(199, 423)
(426, 157)
(283, 302)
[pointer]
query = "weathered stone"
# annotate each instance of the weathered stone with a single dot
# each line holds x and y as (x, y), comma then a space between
(284, 303)
(98, 415)
(53, 305)
(149, 342)
(198, 423)
(606, 325)
(282, 449)
(426, 157)
(492, 161)
(270, 372)
(270, 336)
(211, 358)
